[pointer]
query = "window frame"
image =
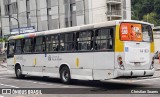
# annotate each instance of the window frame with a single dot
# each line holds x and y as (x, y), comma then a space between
(32, 45)
(51, 44)
(43, 44)
(21, 45)
(67, 42)
(8, 50)
(113, 38)
(142, 33)
(91, 44)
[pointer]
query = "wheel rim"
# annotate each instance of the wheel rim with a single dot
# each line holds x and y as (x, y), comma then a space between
(65, 75)
(18, 72)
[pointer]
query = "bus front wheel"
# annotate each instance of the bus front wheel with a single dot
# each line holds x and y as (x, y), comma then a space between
(65, 75)
(18, 72)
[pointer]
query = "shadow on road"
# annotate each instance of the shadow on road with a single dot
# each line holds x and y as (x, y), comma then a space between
(97, 85)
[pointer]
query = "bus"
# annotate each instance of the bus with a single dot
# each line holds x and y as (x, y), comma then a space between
(101, 51)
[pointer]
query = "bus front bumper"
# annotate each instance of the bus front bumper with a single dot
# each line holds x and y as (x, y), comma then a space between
(133, 73)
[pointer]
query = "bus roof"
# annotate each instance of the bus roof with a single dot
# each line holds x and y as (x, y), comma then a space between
(76, 28)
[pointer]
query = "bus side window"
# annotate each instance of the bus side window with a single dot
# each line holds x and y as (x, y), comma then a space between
(69, 41)
(111, 39)
(76, 42)
(39, 44)
(52, 43)
(84, 40)
(11, 48)
(18, 46)
(104, 39)
(28, 45)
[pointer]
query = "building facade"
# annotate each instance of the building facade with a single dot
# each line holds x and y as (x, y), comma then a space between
(54, 14)
(156, 34)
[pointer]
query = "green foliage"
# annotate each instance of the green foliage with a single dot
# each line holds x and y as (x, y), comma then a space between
(3, 39)
(157, 6)
(146, 10)
(151, 18)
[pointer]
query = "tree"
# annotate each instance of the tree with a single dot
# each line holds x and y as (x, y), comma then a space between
(157, 6)
(146, 10)
(151, 18)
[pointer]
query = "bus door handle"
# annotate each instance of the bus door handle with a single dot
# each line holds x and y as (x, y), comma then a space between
(22, 65)
(44, 66)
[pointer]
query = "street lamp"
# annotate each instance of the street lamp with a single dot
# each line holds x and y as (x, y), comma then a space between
(17, 22)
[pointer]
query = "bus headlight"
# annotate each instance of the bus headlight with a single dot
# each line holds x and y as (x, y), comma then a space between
(120, 62)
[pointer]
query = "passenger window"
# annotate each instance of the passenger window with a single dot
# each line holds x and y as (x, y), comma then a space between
(11, 48)
(28, 45)
(39, 44)
(104, 39)
(67, 42)
(52, 43)
(62, 42)
(84, 40)
(18, 48)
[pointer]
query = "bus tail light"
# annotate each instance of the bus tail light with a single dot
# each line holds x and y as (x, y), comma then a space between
(120, 62)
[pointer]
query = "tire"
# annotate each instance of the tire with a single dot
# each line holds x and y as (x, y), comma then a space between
(18, 72)
(65, 75)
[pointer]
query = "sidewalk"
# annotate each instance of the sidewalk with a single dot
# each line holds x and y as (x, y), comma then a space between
(3, 67)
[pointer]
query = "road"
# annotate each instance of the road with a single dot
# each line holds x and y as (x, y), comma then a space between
(98, 88)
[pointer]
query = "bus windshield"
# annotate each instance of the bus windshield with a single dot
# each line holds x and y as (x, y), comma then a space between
(136, 32)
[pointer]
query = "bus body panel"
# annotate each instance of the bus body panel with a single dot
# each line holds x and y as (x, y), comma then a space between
(11, 65)
(51, 66)
(81, 64)
(137, 55)
(103, 66)
(32, 64)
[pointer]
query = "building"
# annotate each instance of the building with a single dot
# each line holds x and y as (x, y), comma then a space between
(55, 14)
(156, 32)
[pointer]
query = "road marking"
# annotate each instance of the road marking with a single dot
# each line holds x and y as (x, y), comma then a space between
(9, 86)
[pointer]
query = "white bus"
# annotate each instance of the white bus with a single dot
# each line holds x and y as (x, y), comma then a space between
(99, 51)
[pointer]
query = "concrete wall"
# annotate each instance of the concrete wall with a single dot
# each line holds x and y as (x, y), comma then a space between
(99, 10)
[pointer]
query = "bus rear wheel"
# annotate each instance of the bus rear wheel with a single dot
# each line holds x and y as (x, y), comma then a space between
(18, 72)
(65, 75)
